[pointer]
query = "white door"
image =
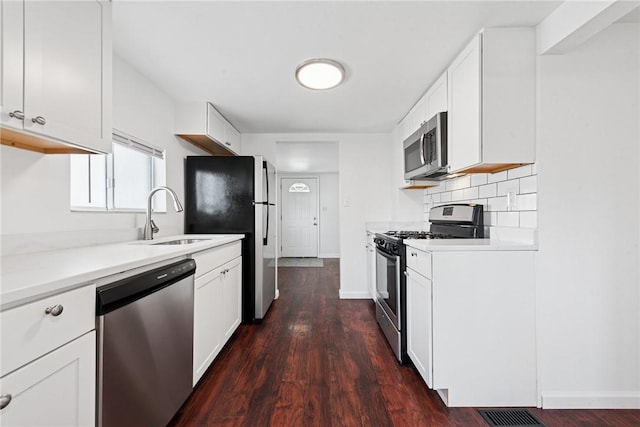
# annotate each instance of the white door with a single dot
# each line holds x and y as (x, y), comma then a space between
(299, 217)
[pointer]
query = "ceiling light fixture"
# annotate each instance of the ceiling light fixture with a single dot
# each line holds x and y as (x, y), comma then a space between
(320, 73)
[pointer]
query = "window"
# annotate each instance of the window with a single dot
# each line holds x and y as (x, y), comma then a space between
(119, 181)
(299, 187)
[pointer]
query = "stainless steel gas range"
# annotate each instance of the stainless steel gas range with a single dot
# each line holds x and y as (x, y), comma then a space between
(452, 221)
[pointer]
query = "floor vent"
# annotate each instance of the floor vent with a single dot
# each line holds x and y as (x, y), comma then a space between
(507, 417)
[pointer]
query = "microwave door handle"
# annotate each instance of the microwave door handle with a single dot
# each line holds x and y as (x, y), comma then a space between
(422, 139)
(438, 141)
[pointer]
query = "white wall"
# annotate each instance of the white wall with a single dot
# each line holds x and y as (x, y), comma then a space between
(587, 273)
(365, 186)
(35, 187)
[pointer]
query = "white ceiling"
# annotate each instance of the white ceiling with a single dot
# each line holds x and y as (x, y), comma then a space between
(242, 55)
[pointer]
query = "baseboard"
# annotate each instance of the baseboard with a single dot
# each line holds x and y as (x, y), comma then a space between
(591, 400)
(354, 295)
(329, 256)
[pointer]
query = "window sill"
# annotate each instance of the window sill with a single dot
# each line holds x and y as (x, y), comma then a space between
(102, 210)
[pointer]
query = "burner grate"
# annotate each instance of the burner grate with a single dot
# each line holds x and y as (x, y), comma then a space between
(509, 417)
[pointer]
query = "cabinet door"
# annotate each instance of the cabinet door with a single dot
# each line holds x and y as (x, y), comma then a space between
(418, 115)
(231, 297)
(419, 325)
(437, 97)
(371, 265)
(63, 60)
(231, 138)
(57, 389)
(215, 124)
(464, 126)
(12, 67)
(207, 337)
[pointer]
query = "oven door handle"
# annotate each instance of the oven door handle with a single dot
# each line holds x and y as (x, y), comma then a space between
(396, 258)
(396, 261)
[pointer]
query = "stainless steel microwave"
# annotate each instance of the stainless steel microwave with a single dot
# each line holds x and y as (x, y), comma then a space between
(425, 151)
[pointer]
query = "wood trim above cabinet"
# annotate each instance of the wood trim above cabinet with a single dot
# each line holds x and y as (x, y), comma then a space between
(491, 167)
(207, 144)
(38, 144)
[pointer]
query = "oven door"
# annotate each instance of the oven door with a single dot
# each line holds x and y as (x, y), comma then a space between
(388, 284)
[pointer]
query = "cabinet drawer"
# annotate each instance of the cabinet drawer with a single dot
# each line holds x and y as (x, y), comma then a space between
(419, 261)
(28, 331)
(213, 258)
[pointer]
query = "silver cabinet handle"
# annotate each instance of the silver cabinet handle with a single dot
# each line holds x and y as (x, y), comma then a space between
(405, 273)
(5, 399)
(55, 310)
(39, 120)
(228, 143)
(414, 254)
(17, 114)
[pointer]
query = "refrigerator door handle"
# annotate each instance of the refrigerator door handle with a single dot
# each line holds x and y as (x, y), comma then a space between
(266, 177)
(265, 239)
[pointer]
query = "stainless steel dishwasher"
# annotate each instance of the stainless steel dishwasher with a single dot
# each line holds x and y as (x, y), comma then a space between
(145, 346)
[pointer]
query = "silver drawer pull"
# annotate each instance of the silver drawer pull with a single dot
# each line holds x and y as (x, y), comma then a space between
(414, 254)
(228, 143)
(55, 310)
(17, 114)
(39, 120)
(405, 273)
(5, 399)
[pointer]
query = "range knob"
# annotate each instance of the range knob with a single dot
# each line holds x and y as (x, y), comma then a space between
(394, 248)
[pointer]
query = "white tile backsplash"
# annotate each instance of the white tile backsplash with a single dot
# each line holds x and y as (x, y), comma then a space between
(529, 219)
(491, 190)
(470, 193)
(497, 204)
(527, 202)
(519, 172)
(457, 195)
(508, 219)
(505, 187)
(529, 184)
(478, 179)
(495, 177)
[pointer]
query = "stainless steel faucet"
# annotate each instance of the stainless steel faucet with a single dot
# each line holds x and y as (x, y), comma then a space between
(150, 227)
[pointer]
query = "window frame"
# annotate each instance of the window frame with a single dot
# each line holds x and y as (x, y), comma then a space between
(157, 175)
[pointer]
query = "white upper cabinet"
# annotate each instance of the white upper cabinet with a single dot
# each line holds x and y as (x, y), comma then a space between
(56, 75)
(491, 102)
(418, 115)
(204, 126)
(436, 97)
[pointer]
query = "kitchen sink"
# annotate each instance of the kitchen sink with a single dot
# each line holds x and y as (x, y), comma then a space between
(180, 242)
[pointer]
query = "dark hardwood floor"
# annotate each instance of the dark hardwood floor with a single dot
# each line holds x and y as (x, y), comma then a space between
(317, 360)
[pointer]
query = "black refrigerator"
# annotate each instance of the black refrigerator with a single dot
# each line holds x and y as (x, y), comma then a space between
(229, 195)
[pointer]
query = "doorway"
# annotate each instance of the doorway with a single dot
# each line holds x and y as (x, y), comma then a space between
(299, 226)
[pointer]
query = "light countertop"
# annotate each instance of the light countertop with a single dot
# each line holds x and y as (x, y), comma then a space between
(469, 245)
(30, 276)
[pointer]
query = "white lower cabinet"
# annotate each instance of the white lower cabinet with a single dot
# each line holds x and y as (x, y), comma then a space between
(217, 303)
(419, 324)
(471, 327)
(57, 389)
(371, 264)
(48, 363)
